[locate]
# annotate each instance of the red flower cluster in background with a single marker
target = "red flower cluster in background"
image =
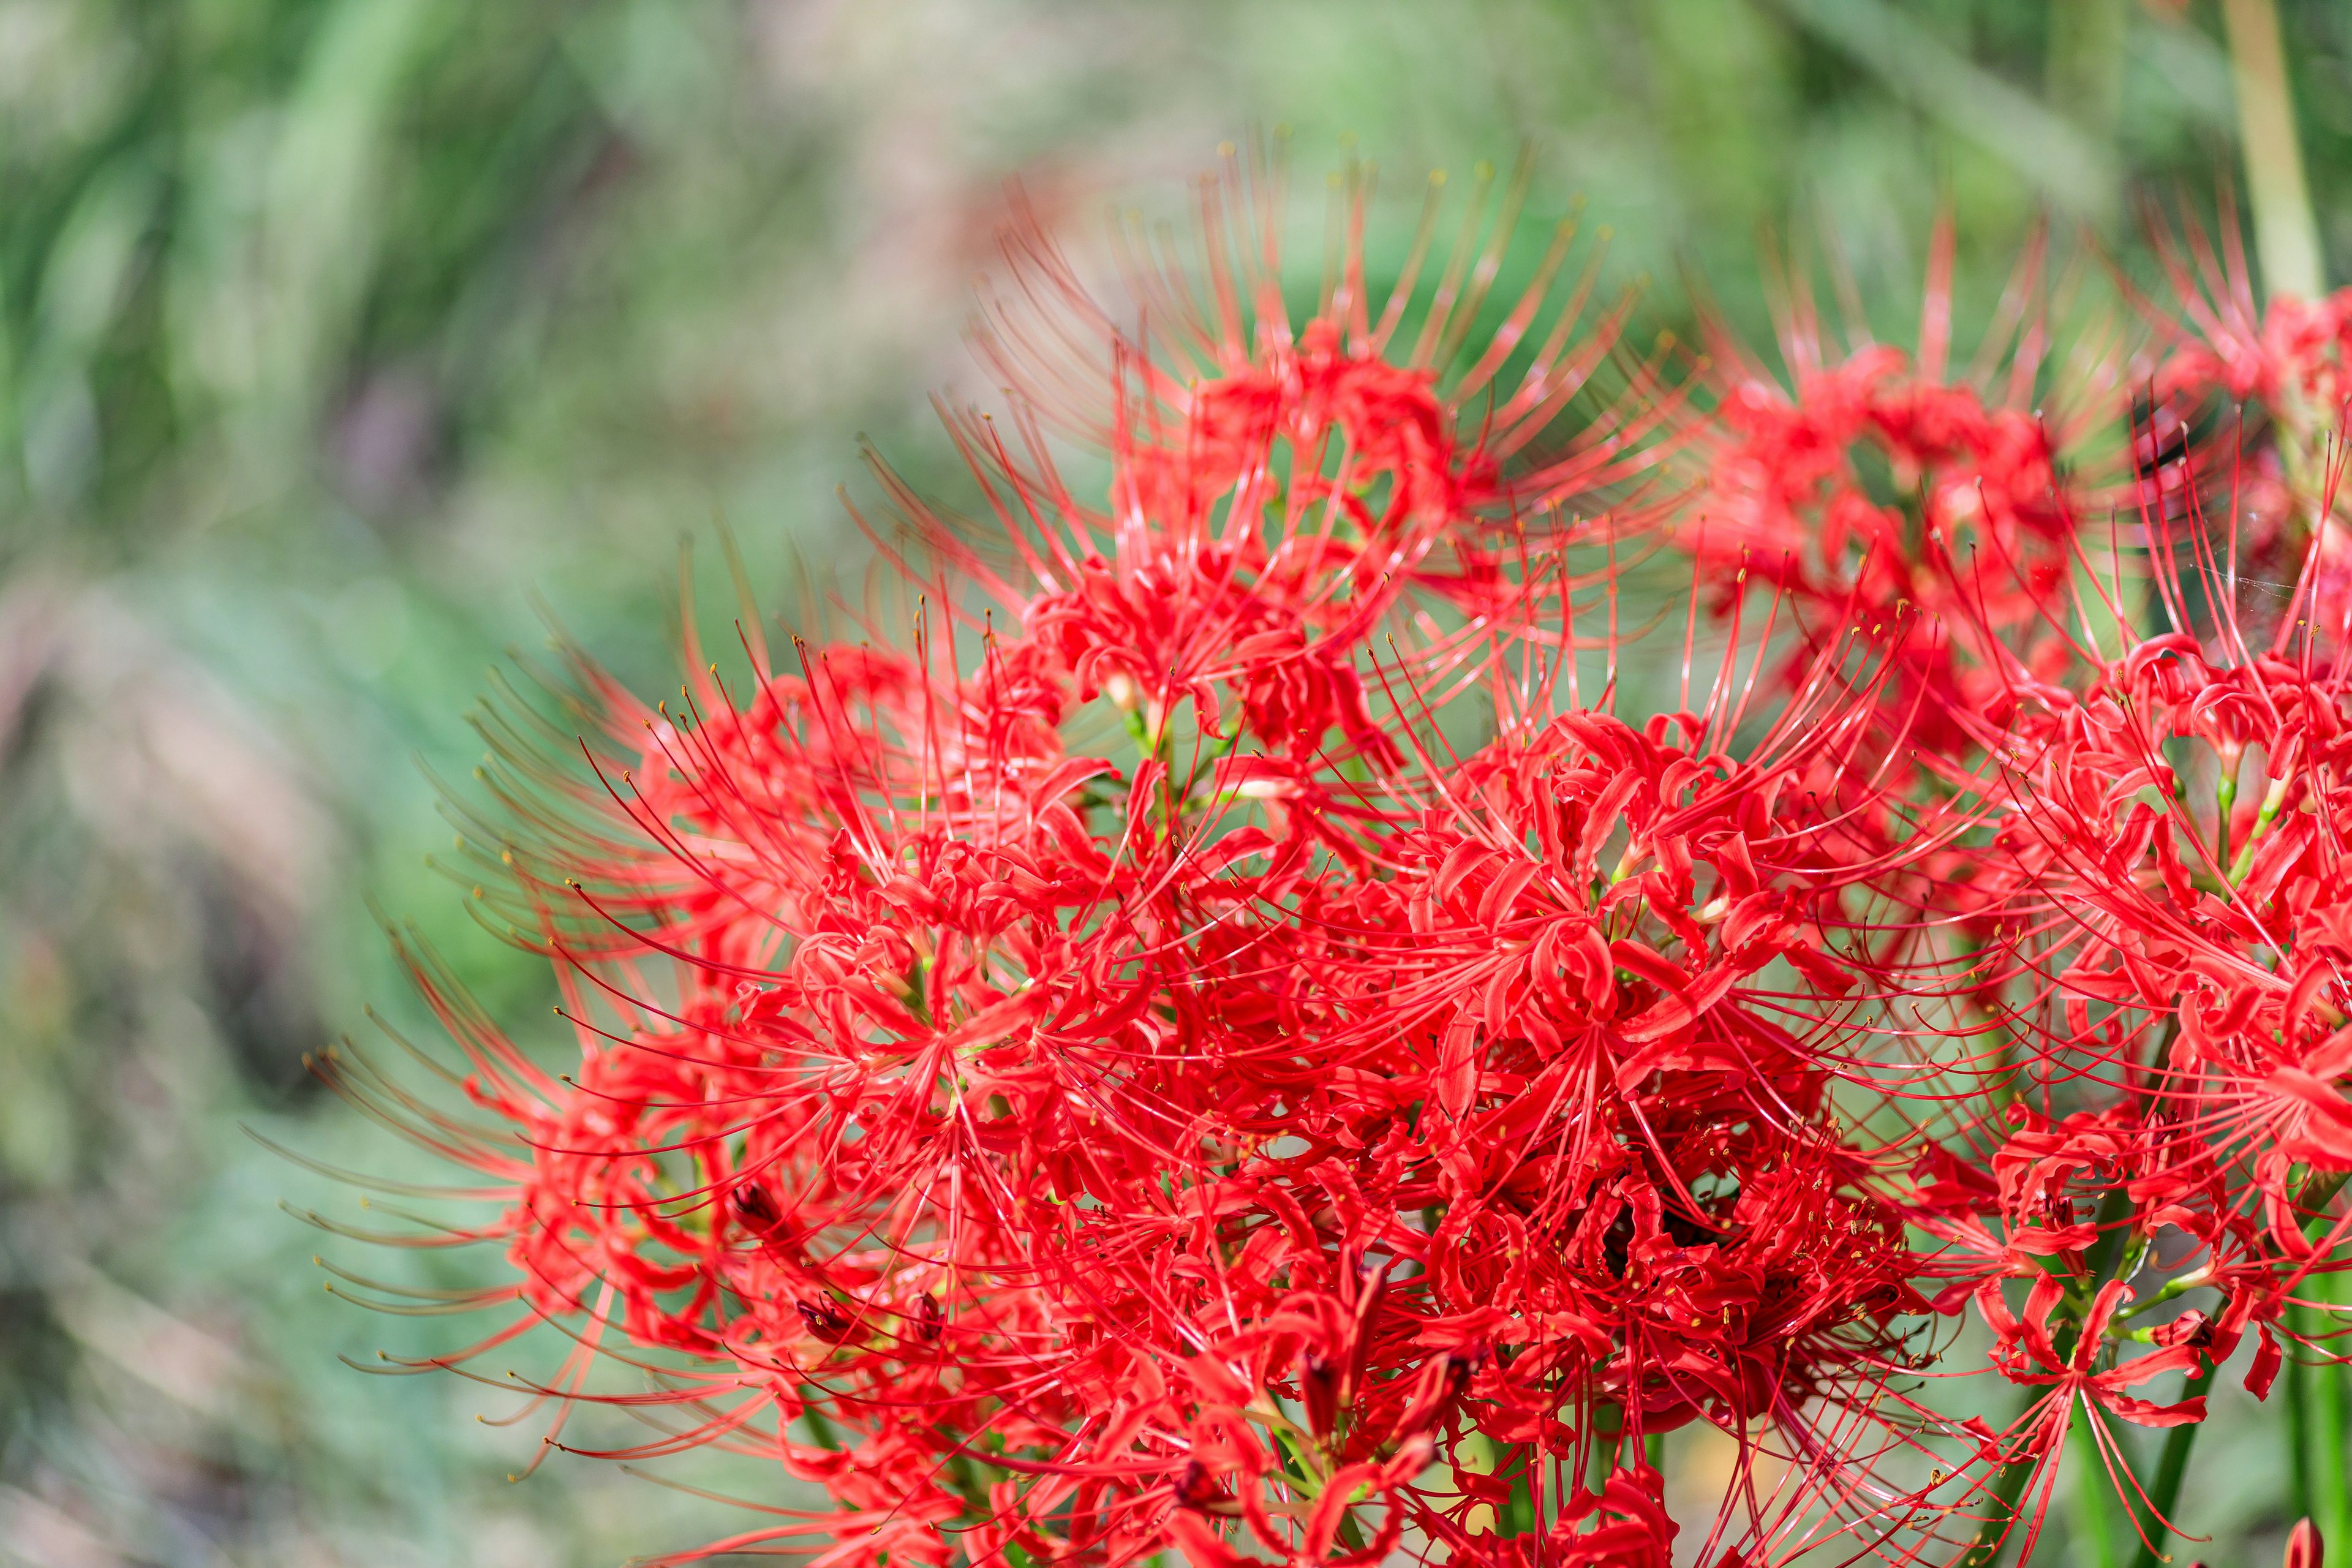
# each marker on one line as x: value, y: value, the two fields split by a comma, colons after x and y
x: 1263, y: 1023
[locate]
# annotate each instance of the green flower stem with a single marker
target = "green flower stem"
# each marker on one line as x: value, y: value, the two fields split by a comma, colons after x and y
x: 2298, y: 1434
x: 2172, y: 1290
x: 2331, y: 1466
x: 2286, y: 235
x: 2315, y: 1412
x: 2171, y: 1469
x: 2225, y: 800
x: 2272, y: 799
x: 1608, y: 1434
x: 2094, y: 1497
x: 2001, y: 1498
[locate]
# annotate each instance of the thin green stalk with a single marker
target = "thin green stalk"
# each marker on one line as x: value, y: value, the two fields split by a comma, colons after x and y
x: 1518, y: 1517
x: 2171, y: 1469
x: 1608, y: 1436
x: 2093, y: 1496
x: 2115, y: 1208
x: 2331, y: 1466
x: 2272, y: 800
x: 2225, y: 800
x: 2286, y: 235
x: 2298, y: 1433
x: 2315, y: 1410
x: 2001, y: 1497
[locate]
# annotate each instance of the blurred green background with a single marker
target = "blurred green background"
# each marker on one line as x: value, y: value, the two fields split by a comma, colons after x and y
x: 333, y: 332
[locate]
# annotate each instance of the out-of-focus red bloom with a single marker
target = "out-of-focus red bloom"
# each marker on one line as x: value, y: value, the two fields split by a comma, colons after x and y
x: 1883, y: 482
x: 2286, y: 354
x: 2270, y: 383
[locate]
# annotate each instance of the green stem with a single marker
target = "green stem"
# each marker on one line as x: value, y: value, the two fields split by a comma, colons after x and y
x: 2171, y: 1469
x: 1518, y: 1516
x: 2094, y: 1492
x: 2002, y: 1495
x: 2286, y: 235
x: 820, y: 1429
x: 2272, y: 800
x: 2298, y: 1433
x: 2225, y: 801
x: 2114, y: 1209
x: 2172, y: 1290
x: 1608, y: 1434
x: 2315, y: 1395
x: 2331, y: 1466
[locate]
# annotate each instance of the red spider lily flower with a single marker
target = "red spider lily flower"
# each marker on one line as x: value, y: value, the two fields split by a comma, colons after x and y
x: 1622, y: 1525
x: 1889, y: 483
x: 2285, y: 354
x: 1284, y: 492
x: 2271, y: 381
x: 2215, y: 924
x: 1238, y: 1042
x: 1644, y: 1209
x: 2027, y: 1353
x: 2160, y: 975
x: 925, y: 1096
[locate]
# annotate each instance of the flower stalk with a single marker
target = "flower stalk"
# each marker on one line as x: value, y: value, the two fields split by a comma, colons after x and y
x: 2286, y: 231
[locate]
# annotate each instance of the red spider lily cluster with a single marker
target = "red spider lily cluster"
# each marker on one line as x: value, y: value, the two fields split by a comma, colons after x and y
x: 1262, y: 1022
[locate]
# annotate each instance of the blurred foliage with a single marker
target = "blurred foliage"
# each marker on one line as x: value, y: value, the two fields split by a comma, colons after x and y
x: 332, y: 329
